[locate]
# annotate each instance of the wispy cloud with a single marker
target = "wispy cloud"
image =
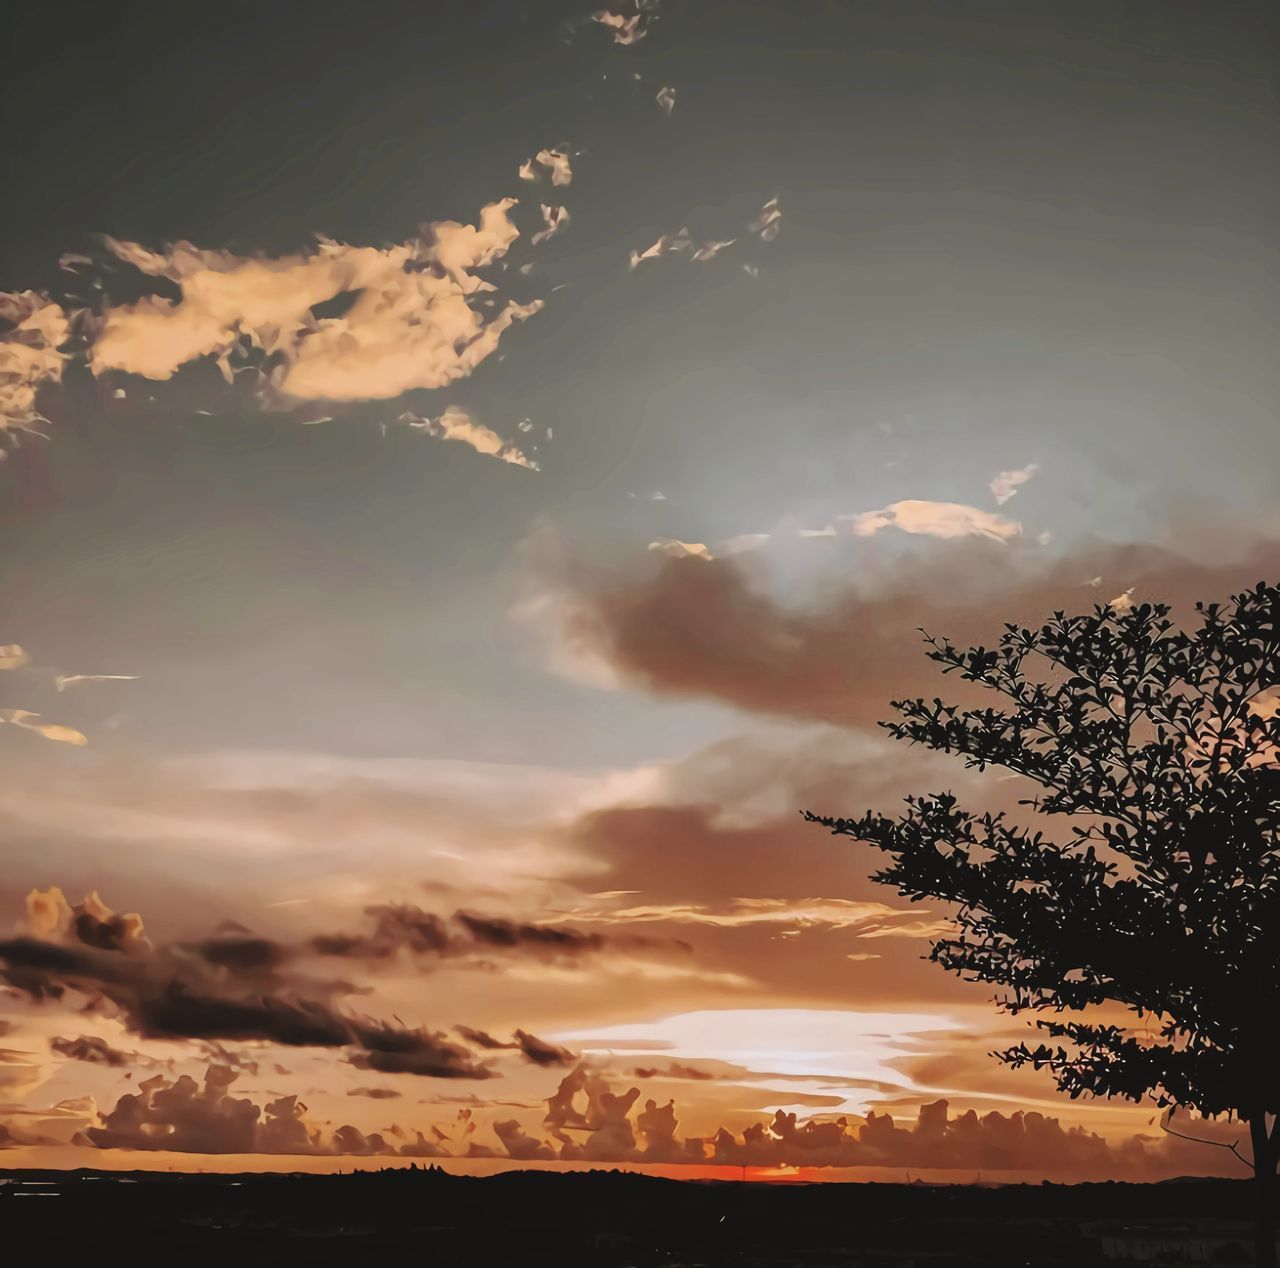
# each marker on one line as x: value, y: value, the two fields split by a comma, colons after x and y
x: 1005, y: 484
x: 456, y: 424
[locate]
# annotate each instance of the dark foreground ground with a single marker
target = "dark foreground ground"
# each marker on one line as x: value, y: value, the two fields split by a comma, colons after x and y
x: 605, y: 1220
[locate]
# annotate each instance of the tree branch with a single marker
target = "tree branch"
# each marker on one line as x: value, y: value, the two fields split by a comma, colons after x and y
x: 1233, y: 1147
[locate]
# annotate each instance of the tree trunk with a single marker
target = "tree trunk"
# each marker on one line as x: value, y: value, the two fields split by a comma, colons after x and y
x: 1264, y: 1191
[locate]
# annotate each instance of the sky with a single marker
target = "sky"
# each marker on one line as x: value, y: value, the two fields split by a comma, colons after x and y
x: 473, y: 472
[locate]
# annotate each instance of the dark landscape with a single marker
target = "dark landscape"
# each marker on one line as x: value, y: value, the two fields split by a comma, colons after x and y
x: 612, y: 1219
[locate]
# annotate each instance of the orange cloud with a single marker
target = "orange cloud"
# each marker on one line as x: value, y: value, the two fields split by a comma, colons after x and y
x: 411, y: 324
x: 30, y: 356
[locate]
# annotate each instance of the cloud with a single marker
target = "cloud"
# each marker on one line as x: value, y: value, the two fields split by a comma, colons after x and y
x: 1005, y: 484
x: 674, y: 548
x: 689, y: 627
x: 626, y: 29
x: 667, y: 244
x: 374, y: 1093
x: 20, y: 1072
x: 768, y: 224
x: 12, y: 656
x: 55, y: 1125
x: 556, y: 163
x: 589, y: 1121
x: 519, y: 1144
x: 457, y: 424
x: 30, y: 356
x: 169, y: 993
x: 501, y: 933
x: 404, y: 928
x: 765, y: 226
x: 183, y: 1116
x: 536, y: 1051
x: 411, y: 324
x: 555, y: 219
x: 29, y: 721
x: 867, y: 919
x: 673, y: 1071
x: 93, y: 1049
x: 62, y: 681
x: 932, y: 519
x: 709, y: 250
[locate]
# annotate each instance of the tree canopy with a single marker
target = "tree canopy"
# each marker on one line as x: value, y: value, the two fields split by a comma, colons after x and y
x: 1159, y: 896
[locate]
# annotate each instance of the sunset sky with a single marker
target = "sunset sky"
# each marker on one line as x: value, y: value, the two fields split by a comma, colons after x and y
x: 475, y: 471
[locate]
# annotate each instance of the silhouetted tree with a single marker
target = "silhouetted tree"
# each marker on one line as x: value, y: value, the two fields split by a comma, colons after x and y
x: 1163, y: 899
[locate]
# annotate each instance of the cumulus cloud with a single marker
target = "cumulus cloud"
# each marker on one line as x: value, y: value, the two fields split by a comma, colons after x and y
x: 30, y: 356
x: 412, y: 323
x: 589, y: 1121
x: 519, y: 1144
x: 183, y: 1116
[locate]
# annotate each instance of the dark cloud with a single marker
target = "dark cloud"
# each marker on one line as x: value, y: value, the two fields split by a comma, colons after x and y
x: 403, y: 927
x: 165, y: 993
x: 242, y: 954
x: 92, y: 1049
x: 696, y: 628
x: 375, y: 1093
x: 542, y: 1053
x: 673, y: 1071
x: 535, y: 1050
x: 392, y: 1050
x: 396, y: 927
x: 497, y: 932
x: 519, y: 1144
x: 482, y: 1038
x: 214, y: 1052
